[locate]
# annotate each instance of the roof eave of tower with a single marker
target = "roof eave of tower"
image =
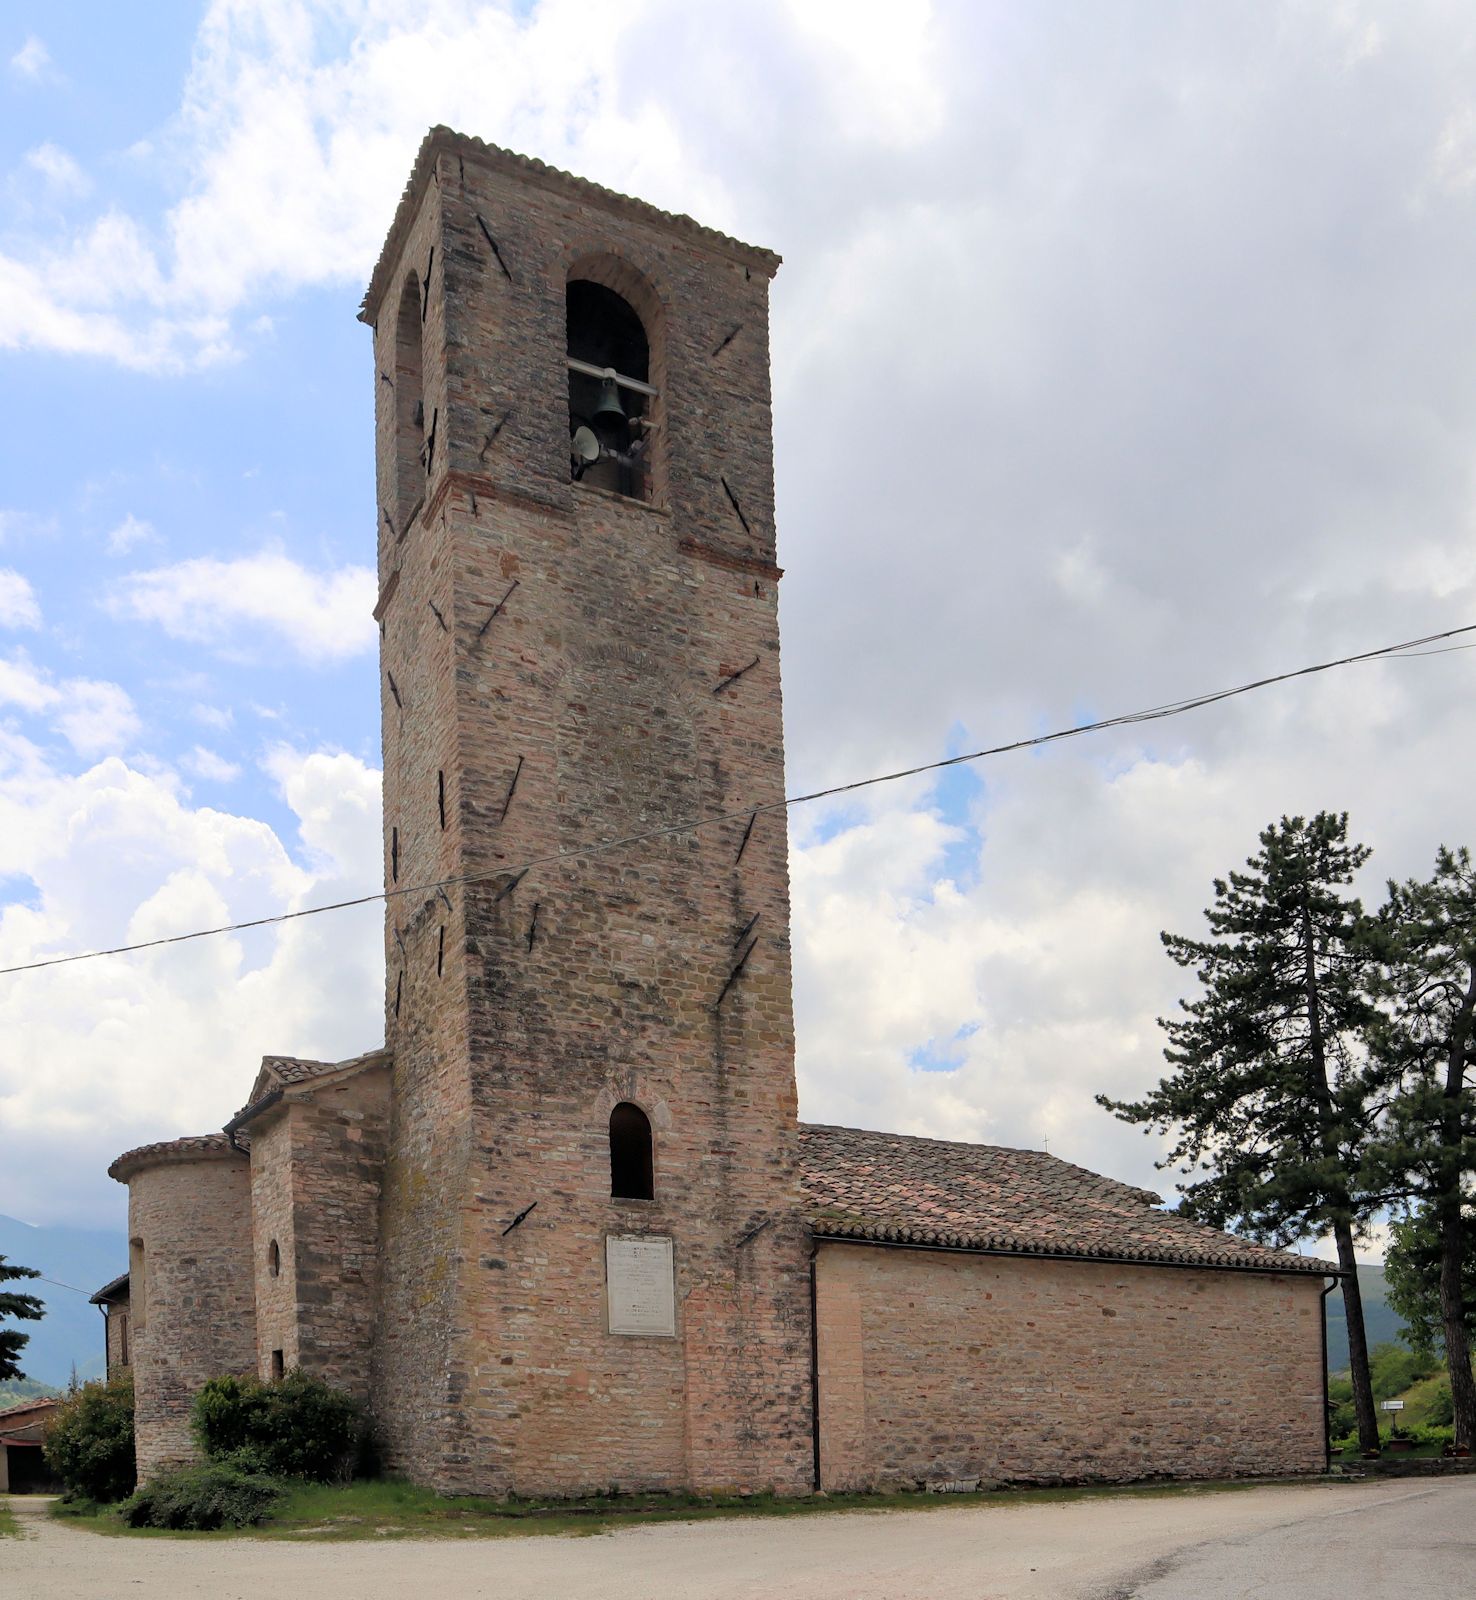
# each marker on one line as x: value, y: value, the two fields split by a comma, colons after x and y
x: 169, y: 1152
x: 442, y: 140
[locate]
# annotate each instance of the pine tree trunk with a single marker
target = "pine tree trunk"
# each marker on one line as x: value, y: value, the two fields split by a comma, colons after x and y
x: 1448, y: 1216
x: 1363, y: 1400
x: 1453, y: 1321
x: 1363, y: 1403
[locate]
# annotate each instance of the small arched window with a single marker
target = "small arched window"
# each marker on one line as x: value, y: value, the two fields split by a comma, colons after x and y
x: 274, y: 1259
x: 631, y: 1172
x: 410, y: 440
x: 610, y: 391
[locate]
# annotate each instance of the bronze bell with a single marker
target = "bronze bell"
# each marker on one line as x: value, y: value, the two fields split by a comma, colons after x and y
x: 609, y: 412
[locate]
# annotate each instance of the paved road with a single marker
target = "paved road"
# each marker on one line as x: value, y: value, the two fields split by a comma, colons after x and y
x: 1416, y: 1539
x: 1368, y: 1541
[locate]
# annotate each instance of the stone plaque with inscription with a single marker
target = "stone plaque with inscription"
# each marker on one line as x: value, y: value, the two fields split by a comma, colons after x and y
x: 639, y: 1284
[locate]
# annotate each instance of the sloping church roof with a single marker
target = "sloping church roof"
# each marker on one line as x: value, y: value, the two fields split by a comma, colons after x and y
x: 892, y: 1188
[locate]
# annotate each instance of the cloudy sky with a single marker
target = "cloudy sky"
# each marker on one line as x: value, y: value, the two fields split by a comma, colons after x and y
x: 1121, y: 352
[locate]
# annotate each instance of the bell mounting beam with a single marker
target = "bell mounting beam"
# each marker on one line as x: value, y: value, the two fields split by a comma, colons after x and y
x: 590, y: 370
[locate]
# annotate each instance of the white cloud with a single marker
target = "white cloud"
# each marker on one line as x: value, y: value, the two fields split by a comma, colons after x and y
x: 59, y: 169
x: 131, y: 532
x: 18, y: 605
x: 206, y: 764
x: 24, y: 686
x: 280, y: 119
x: 320, y: 616
x: 148, y: 1046
x: 217, y: 717
x: 1454, y: 161
x: 17, y: 525
x: 32, y: 59
x: 95, y: 718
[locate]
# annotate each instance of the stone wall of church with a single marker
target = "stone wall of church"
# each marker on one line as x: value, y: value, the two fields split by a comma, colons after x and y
x: 939, y: 1367
x: 273, y: 1246
x: 190, y: 1282
x: 317, y: 1162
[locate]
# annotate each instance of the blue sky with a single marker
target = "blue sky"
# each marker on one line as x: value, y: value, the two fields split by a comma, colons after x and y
x: 1119, y: 353
x: 113, y: 471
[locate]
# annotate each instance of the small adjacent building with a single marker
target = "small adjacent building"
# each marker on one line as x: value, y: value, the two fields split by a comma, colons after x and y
x: 113, y: 1301
x: 23, y: 1468
x: 564, y: 1231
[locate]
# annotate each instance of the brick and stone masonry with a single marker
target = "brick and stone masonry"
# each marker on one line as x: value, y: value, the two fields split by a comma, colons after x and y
x: 317, y: 1159
x: 189, y: 1268
x: 519, y: 1013
x: 941, y: 1367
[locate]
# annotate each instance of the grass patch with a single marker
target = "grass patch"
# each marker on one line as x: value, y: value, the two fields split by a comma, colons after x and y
x: 390, y: 1508
x: 9, y: 1527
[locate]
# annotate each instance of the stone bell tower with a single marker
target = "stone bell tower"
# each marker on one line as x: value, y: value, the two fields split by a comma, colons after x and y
x: 594, y: 1266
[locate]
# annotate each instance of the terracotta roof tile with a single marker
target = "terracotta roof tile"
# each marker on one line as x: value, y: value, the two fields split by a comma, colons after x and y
x: 442, y: 138
x: 293, y: 1069
x: 189, y: 1148
x: 288, y: 1072
x: 894, y: 1188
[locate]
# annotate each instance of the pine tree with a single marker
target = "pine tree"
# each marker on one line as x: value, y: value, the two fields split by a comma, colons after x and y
x: 1412, y: 1273
x: 1270, y: 1084
x: 19, y: 1307
x: 1426, y: 1149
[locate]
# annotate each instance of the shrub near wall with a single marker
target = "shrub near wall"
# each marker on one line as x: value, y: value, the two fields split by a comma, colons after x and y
x: 89, y: 1443
x: 296, y: 1427
x: 203, y: 1498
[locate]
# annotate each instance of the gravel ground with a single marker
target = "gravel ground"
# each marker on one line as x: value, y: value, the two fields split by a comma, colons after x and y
x: 1362, y: 1541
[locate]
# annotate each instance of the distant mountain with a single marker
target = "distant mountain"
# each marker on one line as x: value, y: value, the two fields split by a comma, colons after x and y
x: 71, y: 1332
x: 13, y: 1391
x: 1381, y: 1322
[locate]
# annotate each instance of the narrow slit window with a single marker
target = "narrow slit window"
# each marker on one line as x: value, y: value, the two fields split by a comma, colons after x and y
x: 441, y: 796
x: 409, y: 407
x: 274, y: 1259
x: 138, y: 1282
x: 279, y: 1367
x: 394, y: 855
x: 441, y: 951
x: 632, y: 1175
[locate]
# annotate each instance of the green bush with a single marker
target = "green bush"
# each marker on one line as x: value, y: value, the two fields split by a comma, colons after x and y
x: 1442, y: 1408
x: 89, y: 1444
x: 296, y: 1427
x: 215, y: 1495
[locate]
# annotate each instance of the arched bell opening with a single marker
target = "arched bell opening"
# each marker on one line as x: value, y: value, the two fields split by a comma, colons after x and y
x: 611, y: 396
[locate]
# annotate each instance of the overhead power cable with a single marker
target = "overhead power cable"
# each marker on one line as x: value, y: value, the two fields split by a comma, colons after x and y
x: 1171, y: 708
x: 57, y: 1283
